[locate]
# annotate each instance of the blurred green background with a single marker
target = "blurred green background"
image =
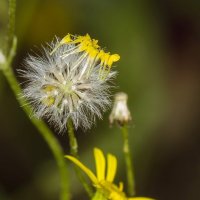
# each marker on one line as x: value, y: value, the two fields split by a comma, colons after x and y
x: 159, y: 44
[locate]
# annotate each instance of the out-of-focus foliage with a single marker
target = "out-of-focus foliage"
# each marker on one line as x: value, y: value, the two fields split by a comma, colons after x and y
x: 159, y: 44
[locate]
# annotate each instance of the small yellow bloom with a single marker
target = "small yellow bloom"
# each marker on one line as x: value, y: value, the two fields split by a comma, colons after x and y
x: 91, y: 53
x: 103, y: 180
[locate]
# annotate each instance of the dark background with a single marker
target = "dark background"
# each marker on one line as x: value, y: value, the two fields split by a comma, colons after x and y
x: 159, y: 44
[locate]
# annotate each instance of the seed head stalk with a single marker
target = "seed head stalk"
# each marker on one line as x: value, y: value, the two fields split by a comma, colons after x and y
x: 40, y: 125
x: 74, y: 152
x: 128, y: 161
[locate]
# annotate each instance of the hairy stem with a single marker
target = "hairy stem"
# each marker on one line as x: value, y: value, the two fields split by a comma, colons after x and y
x: 128, y: 162
x: 74, y: 151
x: 72, y: 139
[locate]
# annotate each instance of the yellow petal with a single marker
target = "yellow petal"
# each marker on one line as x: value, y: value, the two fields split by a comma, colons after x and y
x: 140, y: 198
x: 84, y: 168
x: 121, y: 186
x: 66, y: 39
x: 111, y: 167
x: 100, y: 164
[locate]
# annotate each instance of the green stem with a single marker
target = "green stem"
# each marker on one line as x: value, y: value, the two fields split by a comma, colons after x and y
x: 11, y: 25
x: 72, y: 138
x: 99, y: 196
x: 128, y: 162
x: 74, y: 151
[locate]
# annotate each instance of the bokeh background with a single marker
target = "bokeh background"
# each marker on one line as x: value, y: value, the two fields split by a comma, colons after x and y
x: 159, y: 44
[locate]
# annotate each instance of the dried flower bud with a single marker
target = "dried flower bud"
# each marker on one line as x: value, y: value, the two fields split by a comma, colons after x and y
x: 120, y: 112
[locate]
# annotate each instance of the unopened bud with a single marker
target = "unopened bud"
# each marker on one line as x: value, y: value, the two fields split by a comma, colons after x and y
x: 120, y: 112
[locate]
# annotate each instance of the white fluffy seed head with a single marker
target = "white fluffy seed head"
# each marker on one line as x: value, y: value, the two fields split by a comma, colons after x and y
x: 59, y: 91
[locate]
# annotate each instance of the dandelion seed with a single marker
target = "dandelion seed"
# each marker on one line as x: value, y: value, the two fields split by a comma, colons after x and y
x: 60, y: 87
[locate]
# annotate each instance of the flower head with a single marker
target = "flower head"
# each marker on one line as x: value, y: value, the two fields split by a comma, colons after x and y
x: 90, y: 51
x: 103, y: 180
x: 120, y: 112
x: 65, y: 85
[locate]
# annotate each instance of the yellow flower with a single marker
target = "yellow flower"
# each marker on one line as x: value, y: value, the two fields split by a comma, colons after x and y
x: 103, y: 180
x: 91, y: 53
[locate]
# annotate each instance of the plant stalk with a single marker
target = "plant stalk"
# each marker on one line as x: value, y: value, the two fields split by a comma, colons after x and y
x: 74, y: 152
x: 11, y: 25
x: 128, y: 161
x: 99, y: 196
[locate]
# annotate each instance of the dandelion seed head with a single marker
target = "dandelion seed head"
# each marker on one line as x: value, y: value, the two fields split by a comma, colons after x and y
x: 62, y: 87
